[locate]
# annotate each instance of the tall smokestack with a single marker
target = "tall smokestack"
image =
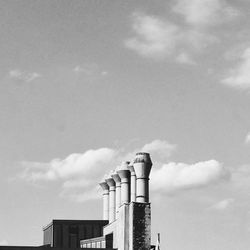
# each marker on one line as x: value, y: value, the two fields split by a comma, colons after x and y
x: 105, y: 196
x: 132, y: 182
x: 124, y: 174
x: 111, y: 183
x: 142, y: 166
x: 117, y: 180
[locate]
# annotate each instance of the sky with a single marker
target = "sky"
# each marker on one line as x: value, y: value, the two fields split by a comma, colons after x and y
x: 84, y: 85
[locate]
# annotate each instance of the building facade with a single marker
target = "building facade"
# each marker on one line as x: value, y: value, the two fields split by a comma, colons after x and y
x: 126, y: 223
x: 68, y: 233
x: 126, y: 206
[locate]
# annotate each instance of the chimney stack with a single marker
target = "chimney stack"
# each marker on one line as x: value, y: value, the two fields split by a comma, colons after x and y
x: 142, y: 166
x: 124, y: 174
x: 132, y: 182
x: 111, y: 183
x: 105, y: 195
x: 117, y: 180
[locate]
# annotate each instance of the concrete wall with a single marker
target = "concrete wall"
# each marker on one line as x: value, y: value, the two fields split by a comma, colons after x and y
x: 120, y: 229
x: 132, y: 229
x: 48, y: 235
x: 111, y: 229
x: 123, y: 228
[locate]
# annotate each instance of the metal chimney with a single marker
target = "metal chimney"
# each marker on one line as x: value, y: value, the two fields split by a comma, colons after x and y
x: 117, y: 180
x: 132, y: 182
x: 105, y: 195
x: 124, y: 174
x: 142, y: 166
x: 111, y: 183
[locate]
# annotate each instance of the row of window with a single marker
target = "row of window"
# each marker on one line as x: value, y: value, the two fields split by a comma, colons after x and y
x: 94, y: 244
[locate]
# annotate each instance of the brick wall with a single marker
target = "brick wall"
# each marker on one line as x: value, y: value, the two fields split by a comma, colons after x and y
x: 141, y: 226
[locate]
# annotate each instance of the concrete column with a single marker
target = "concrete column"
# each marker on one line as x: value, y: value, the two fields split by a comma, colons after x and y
x: 105, y: 195
x: 142, y: 166
x: 117, y: 180
x: 124, y: 174
x: 132, y: 183
x: 112, y: 211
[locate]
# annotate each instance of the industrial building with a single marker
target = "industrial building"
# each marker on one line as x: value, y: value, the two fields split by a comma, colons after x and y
x: 68, y: 233
x: 126, y: 223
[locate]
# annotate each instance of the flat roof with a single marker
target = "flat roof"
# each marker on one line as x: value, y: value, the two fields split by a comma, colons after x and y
x: 47, y: 247
x: 69, y: 222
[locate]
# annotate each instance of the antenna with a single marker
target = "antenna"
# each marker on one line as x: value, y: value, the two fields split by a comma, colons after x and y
x: 158, y: 242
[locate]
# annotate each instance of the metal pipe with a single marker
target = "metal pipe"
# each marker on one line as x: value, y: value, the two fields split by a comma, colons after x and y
x: 124, y: 174
x: 132, y: 183
x: 112, y: 211
x: 105, y: 196
x: 117, y: 180
x: 142, y: 166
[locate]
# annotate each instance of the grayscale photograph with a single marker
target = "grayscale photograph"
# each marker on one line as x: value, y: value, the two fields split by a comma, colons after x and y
x: 125, y: 124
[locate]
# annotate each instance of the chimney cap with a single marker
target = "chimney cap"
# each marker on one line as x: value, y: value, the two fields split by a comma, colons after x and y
x: 104, y: 185
x: 116, y: 177
x: 131, y: 167
x: 109, y: 175
x: 124, y: 166
x: 142, y: 153
x: 113, y: 171
x: 142, y: 157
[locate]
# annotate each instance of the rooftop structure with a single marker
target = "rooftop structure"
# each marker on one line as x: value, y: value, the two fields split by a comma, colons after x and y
x: 126, y: 223
x: 68, y: 233
x: 126, y: 197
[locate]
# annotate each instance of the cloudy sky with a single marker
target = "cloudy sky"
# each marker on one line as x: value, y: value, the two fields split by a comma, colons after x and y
x: 86, y: 84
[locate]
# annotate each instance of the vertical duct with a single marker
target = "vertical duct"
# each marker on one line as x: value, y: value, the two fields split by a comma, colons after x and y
x: 142, y: 166
x: 117, y: 180
x: 132, y: 182
x: 105, y: 195
x: 124, y: 174
x: 112, y: 211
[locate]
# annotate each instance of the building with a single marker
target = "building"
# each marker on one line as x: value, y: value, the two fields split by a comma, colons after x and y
x: 68, y: 233
x: 126, y: 223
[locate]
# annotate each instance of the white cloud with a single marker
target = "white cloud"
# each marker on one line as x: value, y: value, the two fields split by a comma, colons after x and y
x: 159, y: 38
x: 205, y: 12
x: 159, y: 149
x: 81, y: 195
x: 23, y: 75
x: 79, y: 174
x: 247, y: 139
x: 154, y: 37
x: 36, y: 171
x: 89, y: 70
x: 173, y: 176
x: 4, y: 243
x: 87, y: 165
x: 222, y: 205
x: 239, y: 77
